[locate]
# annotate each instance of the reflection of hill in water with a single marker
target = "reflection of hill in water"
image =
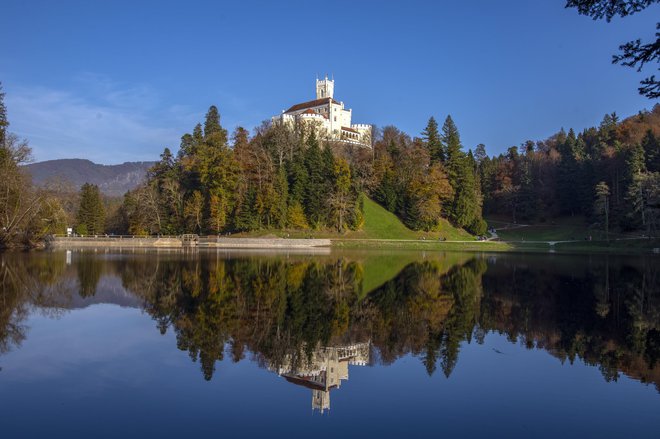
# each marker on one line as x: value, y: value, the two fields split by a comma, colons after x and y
x: 108, y: 290
x: 296, y: 313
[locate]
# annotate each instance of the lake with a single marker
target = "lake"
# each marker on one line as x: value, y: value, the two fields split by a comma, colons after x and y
x: 173, y: 344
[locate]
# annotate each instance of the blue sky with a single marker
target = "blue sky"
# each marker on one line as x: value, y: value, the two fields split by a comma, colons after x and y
x: 117, y: 81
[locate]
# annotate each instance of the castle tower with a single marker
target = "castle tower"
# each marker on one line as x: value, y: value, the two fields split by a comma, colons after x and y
x: 325, y: 88
x: 320, y: 400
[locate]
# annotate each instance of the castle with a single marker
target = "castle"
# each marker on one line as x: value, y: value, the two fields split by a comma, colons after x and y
x: 331, y: 119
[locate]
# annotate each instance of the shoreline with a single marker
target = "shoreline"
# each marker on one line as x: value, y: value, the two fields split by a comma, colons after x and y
x: 187, y: 242
x: 628, y: 246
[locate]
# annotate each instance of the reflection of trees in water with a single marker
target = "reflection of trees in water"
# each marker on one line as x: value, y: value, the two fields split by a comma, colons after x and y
x: 607, y: 312
x: 425, y: 311
x: 89, y: 271
x: 14, y: 307
x: 276, y: 309
x: 281, y: 309
x: 604, y: 311
x: 25, y: 283
x: 267, y: 306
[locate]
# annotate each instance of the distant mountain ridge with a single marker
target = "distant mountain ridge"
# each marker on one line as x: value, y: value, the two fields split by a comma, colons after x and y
x: 112, y: 180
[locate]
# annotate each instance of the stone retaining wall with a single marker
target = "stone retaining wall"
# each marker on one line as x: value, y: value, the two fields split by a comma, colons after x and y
x: 115, y: 242
x: 268, y: 243
x: 261, y: 243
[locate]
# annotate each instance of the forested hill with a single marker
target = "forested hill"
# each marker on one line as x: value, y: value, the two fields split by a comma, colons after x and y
x: 609, y: 174
x: 112, y: 180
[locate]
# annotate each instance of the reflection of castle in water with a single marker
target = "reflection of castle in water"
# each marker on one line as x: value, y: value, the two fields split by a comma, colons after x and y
x: 324, y: 370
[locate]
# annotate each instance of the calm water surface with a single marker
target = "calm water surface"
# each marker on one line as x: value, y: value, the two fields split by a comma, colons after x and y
x: 174, y: 344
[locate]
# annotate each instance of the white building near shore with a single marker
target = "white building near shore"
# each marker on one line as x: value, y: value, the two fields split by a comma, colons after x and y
x: 331, y: 119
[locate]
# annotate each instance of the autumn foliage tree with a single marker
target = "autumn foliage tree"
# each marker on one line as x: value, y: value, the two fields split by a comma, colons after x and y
x: 26, y: 213
x: 556, y: 177
x: 280, y: 178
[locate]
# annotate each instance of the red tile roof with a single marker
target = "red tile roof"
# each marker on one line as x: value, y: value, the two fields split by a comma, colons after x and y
x: 311, y: 104
x: 306, y: 382
x: 350, y: 130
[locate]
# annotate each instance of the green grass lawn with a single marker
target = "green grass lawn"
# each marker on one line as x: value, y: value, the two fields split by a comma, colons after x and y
x: 561, y: 229
x: 379, y: 223
x: 546, y: 232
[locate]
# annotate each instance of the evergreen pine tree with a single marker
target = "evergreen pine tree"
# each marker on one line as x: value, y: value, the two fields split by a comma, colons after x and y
x: 465, y: 210
x: 91, y: 213
x: 635, y: 163
x: 297, y: 177
x: 240, y: 139
x: 279, y: 205
x: 213, y: 131
x: 387, y: 193
x: 245, y: 218
x: 186, y: 146
x: 651, y: 145
x: 454, y: 155
x: 480, y: 154
x: 568, y: 172
x: 316, y: 185
x: 602, y: 205
x: 197, y: 138
x: 432, y: 141
x: 635, y: 167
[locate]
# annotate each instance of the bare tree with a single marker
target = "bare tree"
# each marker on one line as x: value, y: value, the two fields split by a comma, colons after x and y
x: 19, y: 203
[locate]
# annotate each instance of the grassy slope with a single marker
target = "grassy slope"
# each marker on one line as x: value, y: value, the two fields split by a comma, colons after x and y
x: 379, y: 223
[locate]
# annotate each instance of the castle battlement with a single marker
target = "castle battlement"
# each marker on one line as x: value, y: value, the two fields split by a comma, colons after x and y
x: 313, y: 116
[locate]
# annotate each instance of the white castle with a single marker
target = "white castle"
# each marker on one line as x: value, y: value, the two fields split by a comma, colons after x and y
x: 331, y: 119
